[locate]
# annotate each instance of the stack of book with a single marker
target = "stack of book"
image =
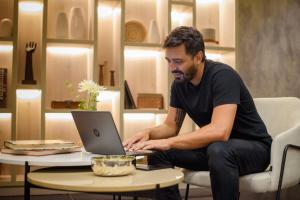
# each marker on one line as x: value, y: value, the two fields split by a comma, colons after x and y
x: 39, y: 147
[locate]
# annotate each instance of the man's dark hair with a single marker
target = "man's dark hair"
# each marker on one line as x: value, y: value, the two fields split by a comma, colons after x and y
x: 190, y: 37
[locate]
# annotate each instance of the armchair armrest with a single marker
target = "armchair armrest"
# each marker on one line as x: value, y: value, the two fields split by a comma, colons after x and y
x: 282, y: 141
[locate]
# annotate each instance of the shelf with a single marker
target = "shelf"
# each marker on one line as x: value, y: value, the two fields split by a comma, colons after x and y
x: 111, y: 88
x: 6, y: 39
x: 28, y: 87
x: 184, y: 3
x: 5, y: 110
x: 138, y: 111
x: 143, y: 45
x: 64, y: 110
x: 69, y: 41
x: 220, y: 48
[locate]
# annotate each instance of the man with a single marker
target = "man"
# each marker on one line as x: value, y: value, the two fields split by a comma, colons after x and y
x: 232, y: 139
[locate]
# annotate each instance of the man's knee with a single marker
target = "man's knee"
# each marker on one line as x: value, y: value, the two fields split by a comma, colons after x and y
x: 219, y: 155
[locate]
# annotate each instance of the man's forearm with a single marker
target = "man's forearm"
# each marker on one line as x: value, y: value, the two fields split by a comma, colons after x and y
x: 198, y: 139
x: 162, y: 131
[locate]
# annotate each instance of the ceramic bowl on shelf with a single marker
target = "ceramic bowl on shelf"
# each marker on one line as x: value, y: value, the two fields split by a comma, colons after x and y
x: 113, y: 165
x: 134, y: 32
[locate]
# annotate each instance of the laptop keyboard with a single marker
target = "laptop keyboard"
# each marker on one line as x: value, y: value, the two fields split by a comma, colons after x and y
x: 139, y: 152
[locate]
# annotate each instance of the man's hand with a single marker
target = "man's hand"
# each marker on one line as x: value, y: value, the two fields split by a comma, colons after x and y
x: 137, y: 138
x: 160, y: 144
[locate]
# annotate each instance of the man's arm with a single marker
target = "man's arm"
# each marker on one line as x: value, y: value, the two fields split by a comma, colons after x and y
x: 171, y: 125
x: 218, y: 130
x: 169, y: 128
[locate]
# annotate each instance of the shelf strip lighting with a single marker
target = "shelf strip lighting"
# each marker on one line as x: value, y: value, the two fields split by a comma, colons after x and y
x: 107, y: 95
x: 178, y: 16
x: 106, y: 11
x: 68, y: 50
x: 31, y: 6
x: 139, y: 116
x: 6, y: 48
x: 28, y: 94
x: 5, y: 115
x: 213, y: 56
x: 141, y: 53
x: 59, y: 116
x: 208, y: 1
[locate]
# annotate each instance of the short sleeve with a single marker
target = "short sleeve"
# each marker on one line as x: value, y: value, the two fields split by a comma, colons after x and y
x: 226, y: 85
x: 174, y: 100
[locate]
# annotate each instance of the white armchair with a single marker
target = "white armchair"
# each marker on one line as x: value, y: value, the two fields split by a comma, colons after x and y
x: 282, y: 118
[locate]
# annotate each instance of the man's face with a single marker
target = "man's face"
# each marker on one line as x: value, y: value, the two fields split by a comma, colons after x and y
x: 182, y: 65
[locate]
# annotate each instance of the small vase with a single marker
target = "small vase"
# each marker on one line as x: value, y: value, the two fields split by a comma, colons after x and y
x: 62, y: 26
x: 93, y: 103
x: 112, y: 77
x: 101, y: 74
x: 6, y: 27
x: 77, y: 24
x: 153, y: 33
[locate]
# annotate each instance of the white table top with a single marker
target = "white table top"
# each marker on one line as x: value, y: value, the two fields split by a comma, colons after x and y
x: 68, y: 159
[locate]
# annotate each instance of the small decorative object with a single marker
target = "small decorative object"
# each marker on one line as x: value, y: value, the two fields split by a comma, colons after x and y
x: 153, y: 33
x: 128, y: 100
x: 69, y: 104
x: 92, y: 90
x: 209, y: 35
x: 6, y: 27
x: 77, y: 24
x: 62, y: 25
x: 30, y: 48
x: 112, y: 77
x: 134, y: 32
x: 101, y: 73
x: 113, y: 165
x: 147, y: 100
x: 3, y: 87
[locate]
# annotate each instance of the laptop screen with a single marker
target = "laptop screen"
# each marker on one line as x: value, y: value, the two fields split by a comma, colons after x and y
x: 98, y: 132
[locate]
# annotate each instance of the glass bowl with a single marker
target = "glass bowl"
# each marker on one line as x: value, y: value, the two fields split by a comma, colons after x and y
x: 113, y: 165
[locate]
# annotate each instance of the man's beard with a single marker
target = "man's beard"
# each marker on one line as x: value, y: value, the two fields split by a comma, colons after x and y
x: 185, y: 77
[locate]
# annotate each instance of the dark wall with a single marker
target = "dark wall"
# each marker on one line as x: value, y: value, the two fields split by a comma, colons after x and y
x: 268, y: 46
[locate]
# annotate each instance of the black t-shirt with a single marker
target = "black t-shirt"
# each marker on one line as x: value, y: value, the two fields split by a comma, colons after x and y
x: 220, y: 84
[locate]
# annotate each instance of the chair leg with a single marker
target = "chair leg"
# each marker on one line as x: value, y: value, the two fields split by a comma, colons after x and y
x: 286, y: 148
x: 187, y: 191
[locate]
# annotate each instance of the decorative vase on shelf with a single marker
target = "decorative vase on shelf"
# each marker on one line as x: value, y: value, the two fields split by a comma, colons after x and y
x: 77, y: 24
x: 153, y: 33
x: 6, y: 27
x: 101, y: 74
x: 62, y: 26
x: 112, y: 77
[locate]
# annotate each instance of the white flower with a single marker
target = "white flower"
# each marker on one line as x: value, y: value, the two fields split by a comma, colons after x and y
x: 90, y: 87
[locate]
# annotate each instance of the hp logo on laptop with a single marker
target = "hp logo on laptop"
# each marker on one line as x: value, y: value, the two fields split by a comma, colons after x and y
x: 96, y: 132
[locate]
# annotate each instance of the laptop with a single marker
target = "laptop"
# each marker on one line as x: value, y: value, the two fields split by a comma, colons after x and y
x: 99, y: 134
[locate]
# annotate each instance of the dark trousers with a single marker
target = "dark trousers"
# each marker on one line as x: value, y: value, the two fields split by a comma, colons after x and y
x: 226, y: 161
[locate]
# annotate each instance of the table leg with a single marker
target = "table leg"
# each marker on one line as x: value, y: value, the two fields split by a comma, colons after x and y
x: 156, y: 192
x: 26, y: 183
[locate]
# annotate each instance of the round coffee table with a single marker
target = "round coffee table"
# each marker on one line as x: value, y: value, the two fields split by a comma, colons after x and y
x: 82, y: 179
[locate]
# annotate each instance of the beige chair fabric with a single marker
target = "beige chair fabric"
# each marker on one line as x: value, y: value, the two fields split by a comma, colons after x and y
x: 282, y: 118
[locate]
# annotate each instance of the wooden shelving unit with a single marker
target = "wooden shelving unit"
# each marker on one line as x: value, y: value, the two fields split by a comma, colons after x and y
x: 141, y: 63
